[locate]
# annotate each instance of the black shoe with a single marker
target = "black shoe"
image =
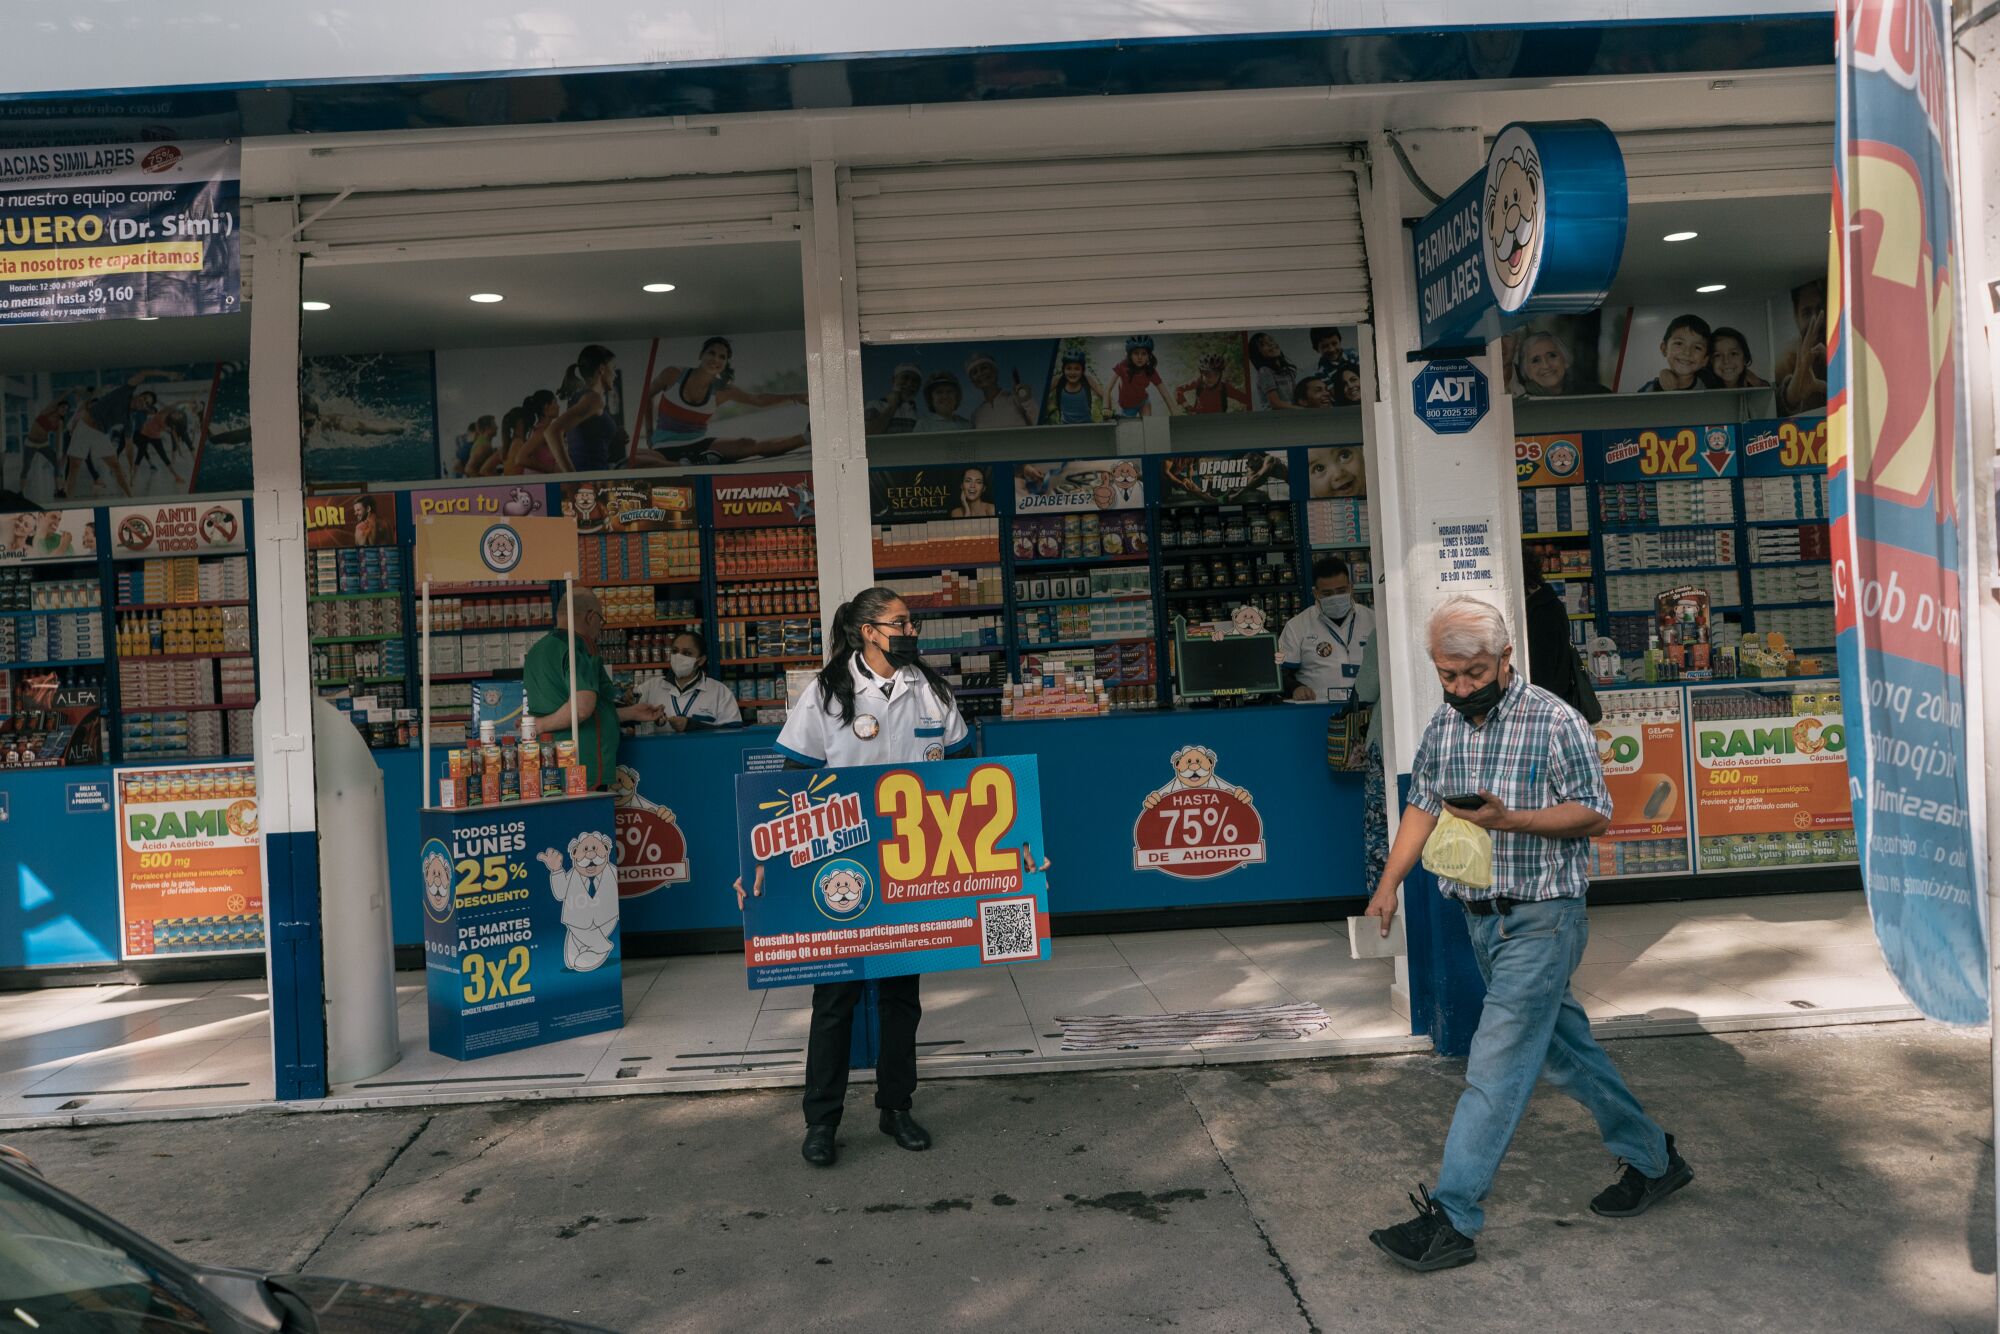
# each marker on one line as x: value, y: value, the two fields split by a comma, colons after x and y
x: 1426, y: 1242
x: 818, y: 1148
x: 908, y: 1134
x: 1634, y: 1193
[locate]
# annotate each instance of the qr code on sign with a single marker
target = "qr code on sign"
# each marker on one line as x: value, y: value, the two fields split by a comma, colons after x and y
x: 1007, y: 930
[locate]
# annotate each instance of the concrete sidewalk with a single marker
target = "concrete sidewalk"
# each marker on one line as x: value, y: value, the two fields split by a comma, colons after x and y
x: 1844, y: 1181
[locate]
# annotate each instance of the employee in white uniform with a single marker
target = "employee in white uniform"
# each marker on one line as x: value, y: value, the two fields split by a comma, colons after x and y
x: 690, y: 700
x: 875, y: 702
x: 1320, y: 649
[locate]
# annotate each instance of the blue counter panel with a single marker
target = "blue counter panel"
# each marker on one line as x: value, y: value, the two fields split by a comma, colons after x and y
x: 58, y: 871
x: 1098, y: 773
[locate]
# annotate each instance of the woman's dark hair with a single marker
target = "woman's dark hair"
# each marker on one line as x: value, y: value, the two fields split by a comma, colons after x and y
x: 535, y: 404
x: 1531, y: 567
x: 1280, y: 363
x: 700, y: 639
x: 836, y: 679
x: 593, y: 359
x: 729, y: 372
x: 507, y: 425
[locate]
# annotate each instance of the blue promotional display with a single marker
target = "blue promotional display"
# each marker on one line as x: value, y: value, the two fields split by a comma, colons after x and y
x: 1787, y: 447
x: 887, y: 870
x: 1451, y: 396
x: 1540, y: 231
x: 1664, y: 454
x: 521, y: 938
x: 119, y: 231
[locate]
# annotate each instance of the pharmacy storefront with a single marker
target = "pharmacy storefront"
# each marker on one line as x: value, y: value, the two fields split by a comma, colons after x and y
x: 1153, y: 413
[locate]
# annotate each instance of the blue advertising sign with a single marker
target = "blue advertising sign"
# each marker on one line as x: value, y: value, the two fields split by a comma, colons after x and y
x: 1784, y: 447
x: 885, y: 870
x: 1451, y: 396
x: 1901, y: 495
x: 1663, y: 454
x: 1540, y: 231
x: 119, y: 230
x: 82, y: 798
x: 520, y: 924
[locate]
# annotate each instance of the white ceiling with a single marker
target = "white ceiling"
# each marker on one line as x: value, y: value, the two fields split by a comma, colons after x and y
x: 411, y: 306
x: 1756, y: 246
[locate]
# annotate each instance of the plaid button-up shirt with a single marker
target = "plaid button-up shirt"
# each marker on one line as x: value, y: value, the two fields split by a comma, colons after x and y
x: 1532, y: 751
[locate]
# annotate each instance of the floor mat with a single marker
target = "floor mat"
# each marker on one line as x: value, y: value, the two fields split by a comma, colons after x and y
x: 1101, y: 1032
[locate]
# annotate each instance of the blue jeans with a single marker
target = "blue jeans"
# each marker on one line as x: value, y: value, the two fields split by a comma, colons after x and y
x: 1533, y: 1026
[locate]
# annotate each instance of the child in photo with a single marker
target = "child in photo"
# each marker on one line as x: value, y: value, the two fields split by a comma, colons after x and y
x: 1333, y: 354
x: 1685, y: 351
x: 1276, y: 378
x: 1136, y: 382
x: 1729, y: 361
x: 1074, y: 397
x: 1208, y: 391
x: 1312, y: 392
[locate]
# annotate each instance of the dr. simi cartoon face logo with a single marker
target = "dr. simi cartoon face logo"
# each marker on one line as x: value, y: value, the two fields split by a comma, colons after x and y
x: 843, y: 890
x: 1513, y: 217
x: 437, y: 880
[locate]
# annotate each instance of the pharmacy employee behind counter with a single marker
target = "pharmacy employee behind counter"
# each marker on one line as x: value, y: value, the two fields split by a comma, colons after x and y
x: 1320, y: 649
x: 875, y: 702
x: 545, y: 674
x: 689, y: 699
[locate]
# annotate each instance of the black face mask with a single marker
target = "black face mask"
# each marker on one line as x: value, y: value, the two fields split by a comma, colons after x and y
x: 1479, y: 702
x: 901, y: 650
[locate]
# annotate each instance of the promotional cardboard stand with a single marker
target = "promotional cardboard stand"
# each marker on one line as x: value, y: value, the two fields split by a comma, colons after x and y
x: 521, y: 941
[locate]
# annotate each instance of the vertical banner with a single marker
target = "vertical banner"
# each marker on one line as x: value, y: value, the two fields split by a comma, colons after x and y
x: 892, y: 869
x: 1899, y: 477
x: 521, y: 941
x: 189, y: 879
x: 120, y: 230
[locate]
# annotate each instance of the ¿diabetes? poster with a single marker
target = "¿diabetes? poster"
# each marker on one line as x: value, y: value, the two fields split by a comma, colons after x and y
x: 189, y: 876
x: 115, y: 231
x: 891, y: 869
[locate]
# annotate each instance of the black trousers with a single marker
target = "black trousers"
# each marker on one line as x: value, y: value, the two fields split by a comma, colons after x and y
x: 832, y: 1030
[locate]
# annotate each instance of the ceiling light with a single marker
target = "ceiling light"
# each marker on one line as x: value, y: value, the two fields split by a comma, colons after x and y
x: 145, y: 319
x: 314, y: 305
x: 1680, y: 236
x: 487, y: 298
x: 1706, y: 288
x: 659, y: 287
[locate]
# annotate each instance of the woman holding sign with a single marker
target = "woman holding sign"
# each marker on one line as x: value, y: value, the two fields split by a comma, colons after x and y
x: 875, y: 702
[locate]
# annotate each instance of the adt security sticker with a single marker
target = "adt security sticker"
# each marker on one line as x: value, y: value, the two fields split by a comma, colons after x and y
x: 1450, y: 396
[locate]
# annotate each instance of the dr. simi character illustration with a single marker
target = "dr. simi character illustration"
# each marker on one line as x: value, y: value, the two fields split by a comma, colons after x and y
x: 1194, y: 771
x: 437, y: 883
x: 1513, y: 211
x: 588, y: 892
x: 625, y: 794
x: 843, y: 892
x: 1247, y: 620
x: 1125, y: 482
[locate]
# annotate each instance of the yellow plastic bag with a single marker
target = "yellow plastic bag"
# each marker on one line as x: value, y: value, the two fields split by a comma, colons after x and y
x: 1459, y: 850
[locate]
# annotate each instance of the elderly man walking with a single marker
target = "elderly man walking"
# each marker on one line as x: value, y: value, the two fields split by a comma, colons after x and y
x: 1519, y: 763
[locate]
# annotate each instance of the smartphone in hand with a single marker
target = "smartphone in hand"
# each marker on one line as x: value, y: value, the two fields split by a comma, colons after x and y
x: 1465, y: 801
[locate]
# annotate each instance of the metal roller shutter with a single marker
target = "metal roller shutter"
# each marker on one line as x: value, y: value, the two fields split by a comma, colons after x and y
x: 508, y: 220
x: 1738, y: 162
x: 1107, y: 246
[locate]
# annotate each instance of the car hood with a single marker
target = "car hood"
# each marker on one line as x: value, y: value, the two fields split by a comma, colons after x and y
x: 343, y: 1306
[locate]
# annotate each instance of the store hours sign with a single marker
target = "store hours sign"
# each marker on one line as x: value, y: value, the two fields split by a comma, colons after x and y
x: 118, y: 231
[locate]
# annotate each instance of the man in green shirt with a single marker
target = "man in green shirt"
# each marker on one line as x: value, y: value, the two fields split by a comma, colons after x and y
x: 546, y: 675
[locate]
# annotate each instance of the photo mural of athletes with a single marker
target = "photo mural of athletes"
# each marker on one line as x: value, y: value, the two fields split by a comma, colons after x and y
x: 707, y: 402
x: 129, y: 431
x: 984, y: 386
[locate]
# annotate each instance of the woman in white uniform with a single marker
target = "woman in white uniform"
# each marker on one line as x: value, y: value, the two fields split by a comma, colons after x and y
x: 875, y: 702
x: 690, y: 700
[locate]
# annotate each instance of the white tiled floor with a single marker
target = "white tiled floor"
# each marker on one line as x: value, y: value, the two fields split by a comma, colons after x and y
x: 690, y: 1023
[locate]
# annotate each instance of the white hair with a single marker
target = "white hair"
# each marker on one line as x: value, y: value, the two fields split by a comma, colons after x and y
x: 578, y: 840
x: 1462, y: 626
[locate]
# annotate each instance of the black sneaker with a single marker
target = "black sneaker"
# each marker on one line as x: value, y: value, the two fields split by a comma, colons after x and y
x: 1634, y: 1192
x: 1426, y: 1242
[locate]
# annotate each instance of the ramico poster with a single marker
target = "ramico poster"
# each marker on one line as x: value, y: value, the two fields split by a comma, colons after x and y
x: 190, y: 877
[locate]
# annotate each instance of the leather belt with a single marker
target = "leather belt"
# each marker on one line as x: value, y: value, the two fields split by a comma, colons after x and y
x: 1488, y: 907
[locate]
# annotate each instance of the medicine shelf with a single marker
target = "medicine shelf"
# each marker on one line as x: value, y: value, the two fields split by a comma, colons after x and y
x: 764, y: 616
x: 1023, y: 650
x: 772, y: 662
x: 471, y: 630
x: 186, y: 708
x: 1085, y: 602
x: 356, y: 639
x: 633, y: 583
x: 1224, y: 590
x: 182, y: 657
x: 723, y: 576
x: 939, y: 567
x: 1567, y: 532
x: 52, y: 662
x: 52, y: 611
x: 979, y: 609
x: 329, y: 597
x: 360, y: 681
x: 1670, y: 569
x: 1047, y: 562
x: 173, y: 606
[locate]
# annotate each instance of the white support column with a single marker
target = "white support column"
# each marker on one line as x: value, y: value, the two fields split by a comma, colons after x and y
x: 1416, y: 477
x: 833, y: 381
x: 286, y: 802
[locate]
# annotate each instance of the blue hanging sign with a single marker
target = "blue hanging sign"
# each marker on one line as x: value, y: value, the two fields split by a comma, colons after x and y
x: 1451, y: 396
x: 1539, y: 231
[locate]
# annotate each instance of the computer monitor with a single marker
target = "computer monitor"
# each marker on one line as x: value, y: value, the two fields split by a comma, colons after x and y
x: 1207, y: 668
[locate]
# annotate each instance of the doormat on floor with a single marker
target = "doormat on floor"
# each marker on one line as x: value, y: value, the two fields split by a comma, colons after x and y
x: 1105, y: 1032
